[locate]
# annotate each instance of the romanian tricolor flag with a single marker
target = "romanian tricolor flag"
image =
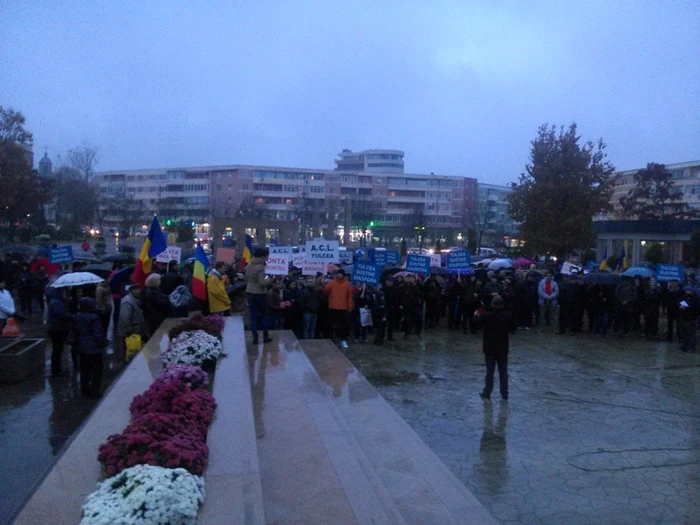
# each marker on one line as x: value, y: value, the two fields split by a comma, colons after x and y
x: 248, y: 250
x: 153, y: 245
x: 623, y: 259
x: 604, y: 262
x: 199, y: 274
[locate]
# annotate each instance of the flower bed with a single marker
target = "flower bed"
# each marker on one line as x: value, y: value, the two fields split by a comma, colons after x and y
x: 146, y: 495
x: 165, y: 440
x: 157, y: 461
x: 192, y: 348
x: 211, y: 324
x: 176, y: 397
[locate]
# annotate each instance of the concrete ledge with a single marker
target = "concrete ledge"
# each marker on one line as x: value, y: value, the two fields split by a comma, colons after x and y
x: 232, y: 480
x: 19, y: 357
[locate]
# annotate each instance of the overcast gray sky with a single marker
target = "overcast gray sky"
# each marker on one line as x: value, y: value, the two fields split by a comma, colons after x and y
x: 460, y: 86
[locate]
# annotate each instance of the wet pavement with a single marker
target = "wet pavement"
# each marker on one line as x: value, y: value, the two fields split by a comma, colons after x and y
x: 595, y: 431
x: 38, y: 417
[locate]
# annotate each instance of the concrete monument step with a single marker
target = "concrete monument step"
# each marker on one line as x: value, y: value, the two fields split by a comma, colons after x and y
x: 331, y: 450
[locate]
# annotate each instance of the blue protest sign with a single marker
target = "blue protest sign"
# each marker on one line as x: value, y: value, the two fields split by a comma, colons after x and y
x: 392, y: 258
x: 62, y: 254
x: 418, y: 263
x: 670, y: 272
x: 365, y: 273
x: 458, y: 260
x: 378, y: 258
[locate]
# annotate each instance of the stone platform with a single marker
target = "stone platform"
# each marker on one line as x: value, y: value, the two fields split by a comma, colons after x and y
x: 331, y: 450
x: 299, y: 437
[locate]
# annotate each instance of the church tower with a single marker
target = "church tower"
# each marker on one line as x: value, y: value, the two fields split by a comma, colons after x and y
x: 45, y: 167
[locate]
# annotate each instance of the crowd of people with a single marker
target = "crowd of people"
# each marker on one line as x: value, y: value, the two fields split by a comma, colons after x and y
x: 335, y: 307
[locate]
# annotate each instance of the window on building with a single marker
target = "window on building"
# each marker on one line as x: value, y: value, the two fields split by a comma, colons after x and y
x: 245, y: 186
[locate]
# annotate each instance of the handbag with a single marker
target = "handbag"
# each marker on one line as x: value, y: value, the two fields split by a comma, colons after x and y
x: 365, y: 317
x: 133, y: 346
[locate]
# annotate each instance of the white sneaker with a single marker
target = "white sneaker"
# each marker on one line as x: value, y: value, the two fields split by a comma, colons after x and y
x: 344, y: 344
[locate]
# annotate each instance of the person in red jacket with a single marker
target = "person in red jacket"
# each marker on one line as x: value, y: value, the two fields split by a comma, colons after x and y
x: 339, y: 304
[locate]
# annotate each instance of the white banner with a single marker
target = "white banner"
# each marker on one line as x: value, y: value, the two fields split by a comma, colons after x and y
x: 313, y: 267
x: 435, y: 260
x: 281, y: 249
x: 171, y: 253
x: 277, y: 264
x: 567, y: 268
x: 326, y: 251
x: 345, y: 257
x: 298, y: 259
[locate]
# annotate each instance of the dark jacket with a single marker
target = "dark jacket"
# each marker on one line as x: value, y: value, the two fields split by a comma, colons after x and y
x: 626, y: 294
x: 692, y: 312
x: 156, y: 308
x: 310, y: 299
x: 60, y: 319
x: 496, y: 324
x: 274, y: 301
x: 408, y: 295
x: 170, y: 281
x: 89, y: 334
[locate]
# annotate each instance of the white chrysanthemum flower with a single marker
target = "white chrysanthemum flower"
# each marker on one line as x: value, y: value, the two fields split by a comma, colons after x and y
x: 192, y: 348
x: 146, y: 495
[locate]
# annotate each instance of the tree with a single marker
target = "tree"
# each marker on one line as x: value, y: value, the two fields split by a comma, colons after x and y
x: 127, y: 210
x: 564, y: 186
x: 83, y: 159
x: 482, y: 218
x: 364, y: 215
x: 694, y: 249
x: 22, y: 191
x: 654, y: 196
x: 655, y: 254
x: 76, y: 200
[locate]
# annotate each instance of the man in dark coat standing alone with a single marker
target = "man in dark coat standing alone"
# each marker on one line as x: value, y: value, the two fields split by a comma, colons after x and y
x: 496, y: 324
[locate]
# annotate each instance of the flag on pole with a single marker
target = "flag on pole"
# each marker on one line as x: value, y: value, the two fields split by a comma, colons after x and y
x: 154, y: 244
x: 199, y: 274
x: 623, y: 259
x: 604, y: 262
x: 248, y: 250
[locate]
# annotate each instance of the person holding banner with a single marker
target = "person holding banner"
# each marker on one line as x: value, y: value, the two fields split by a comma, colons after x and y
x: 256, y: 290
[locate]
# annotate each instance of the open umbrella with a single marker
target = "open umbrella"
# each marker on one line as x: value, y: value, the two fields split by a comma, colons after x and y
x: 359, y: 253
x: 117, y: 280
x: 438, y: 270
x: 522, y: 262
x: 461, y: 271
x: 118, y: 257
x: 602, y: 278
x: 76, y: 279
x: 640, y: 271
x: 500, y: 263
x: 19, y: 249
x: 404, y: 274
x: 103, y: 270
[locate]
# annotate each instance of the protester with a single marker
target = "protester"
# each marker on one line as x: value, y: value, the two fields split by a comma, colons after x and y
x: 671, y: 299
x: 548, y: 291
x: 469, y: 302
x: 171, y: 279
x: 651, y: 304
x: 60, y: 323
x: 293, y: 312
x: 362, y: 299
x: 689, y: 311
x: 90, y: 341
x: 432, y: 292
x: 309, y: 303
x: 131, y: 320
x: 39, y: 283
x: 275, y: 310
x: 156, y: 305
x: 26, y: 291
x: 105, y: 303
x: 219, y: 301
x: 379, y: 317
x: 496, y: 324
x: 626, y: 297
x: 410, y: 306
x: 256, y: 290
x: 339, y: 304
x: 393, y: 314
x: 7, y: 304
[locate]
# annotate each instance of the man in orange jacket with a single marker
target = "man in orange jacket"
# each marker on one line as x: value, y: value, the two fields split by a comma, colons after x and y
x: 339, y: 304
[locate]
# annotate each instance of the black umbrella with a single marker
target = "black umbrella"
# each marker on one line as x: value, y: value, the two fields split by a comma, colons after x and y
x: 119, y: 257
x: 602, y: 278
x: 102, y: 270
x: 117, y: 280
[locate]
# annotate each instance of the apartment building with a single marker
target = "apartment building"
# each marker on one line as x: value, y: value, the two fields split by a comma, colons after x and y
x: 371, y: 161
x: 686, y: 178
x: 292, y: 204
x: 491, y: 215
